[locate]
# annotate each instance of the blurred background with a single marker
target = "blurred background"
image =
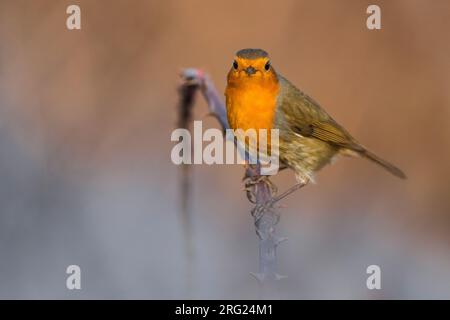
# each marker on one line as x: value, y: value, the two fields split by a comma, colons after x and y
x: 85, y: 169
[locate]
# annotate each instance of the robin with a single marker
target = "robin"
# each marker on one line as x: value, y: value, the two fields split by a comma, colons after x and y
x: 257, y: 97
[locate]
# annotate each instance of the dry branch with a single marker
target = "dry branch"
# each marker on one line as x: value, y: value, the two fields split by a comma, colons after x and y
x: 260, y: 190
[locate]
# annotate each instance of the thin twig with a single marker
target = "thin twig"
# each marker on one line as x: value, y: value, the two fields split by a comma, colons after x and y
x: 260, y: 190
x: 187, y: 92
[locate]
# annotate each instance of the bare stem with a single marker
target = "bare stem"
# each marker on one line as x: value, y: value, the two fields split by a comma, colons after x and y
x: 260, y: 190
x: 187, y: 92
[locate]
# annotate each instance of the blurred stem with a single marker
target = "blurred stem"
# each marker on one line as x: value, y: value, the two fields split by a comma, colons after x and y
x: 187, y: 94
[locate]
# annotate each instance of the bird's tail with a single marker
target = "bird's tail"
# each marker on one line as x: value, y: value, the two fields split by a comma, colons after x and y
x: 383, y: 163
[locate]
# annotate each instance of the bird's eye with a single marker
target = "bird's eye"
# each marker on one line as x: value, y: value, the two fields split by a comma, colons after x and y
x: 235, y: 65
x: 267, y: 66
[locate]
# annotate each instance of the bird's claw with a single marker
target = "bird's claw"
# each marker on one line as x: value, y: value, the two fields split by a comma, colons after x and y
x: 251, y: 183
x: 260, y: 209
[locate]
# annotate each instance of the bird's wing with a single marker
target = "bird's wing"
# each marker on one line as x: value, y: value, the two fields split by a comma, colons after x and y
x: 305, y: 117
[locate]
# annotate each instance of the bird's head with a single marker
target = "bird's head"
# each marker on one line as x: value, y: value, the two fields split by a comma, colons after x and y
x: 251, y: 65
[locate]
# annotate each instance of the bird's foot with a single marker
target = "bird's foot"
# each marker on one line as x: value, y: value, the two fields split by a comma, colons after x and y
x: 251, y: 183
x: 261, y: 209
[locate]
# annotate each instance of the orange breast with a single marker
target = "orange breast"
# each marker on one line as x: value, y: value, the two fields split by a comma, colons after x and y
x: 251, y: 105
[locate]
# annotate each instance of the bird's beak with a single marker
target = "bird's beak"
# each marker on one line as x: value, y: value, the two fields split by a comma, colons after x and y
x: 250, y: 71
